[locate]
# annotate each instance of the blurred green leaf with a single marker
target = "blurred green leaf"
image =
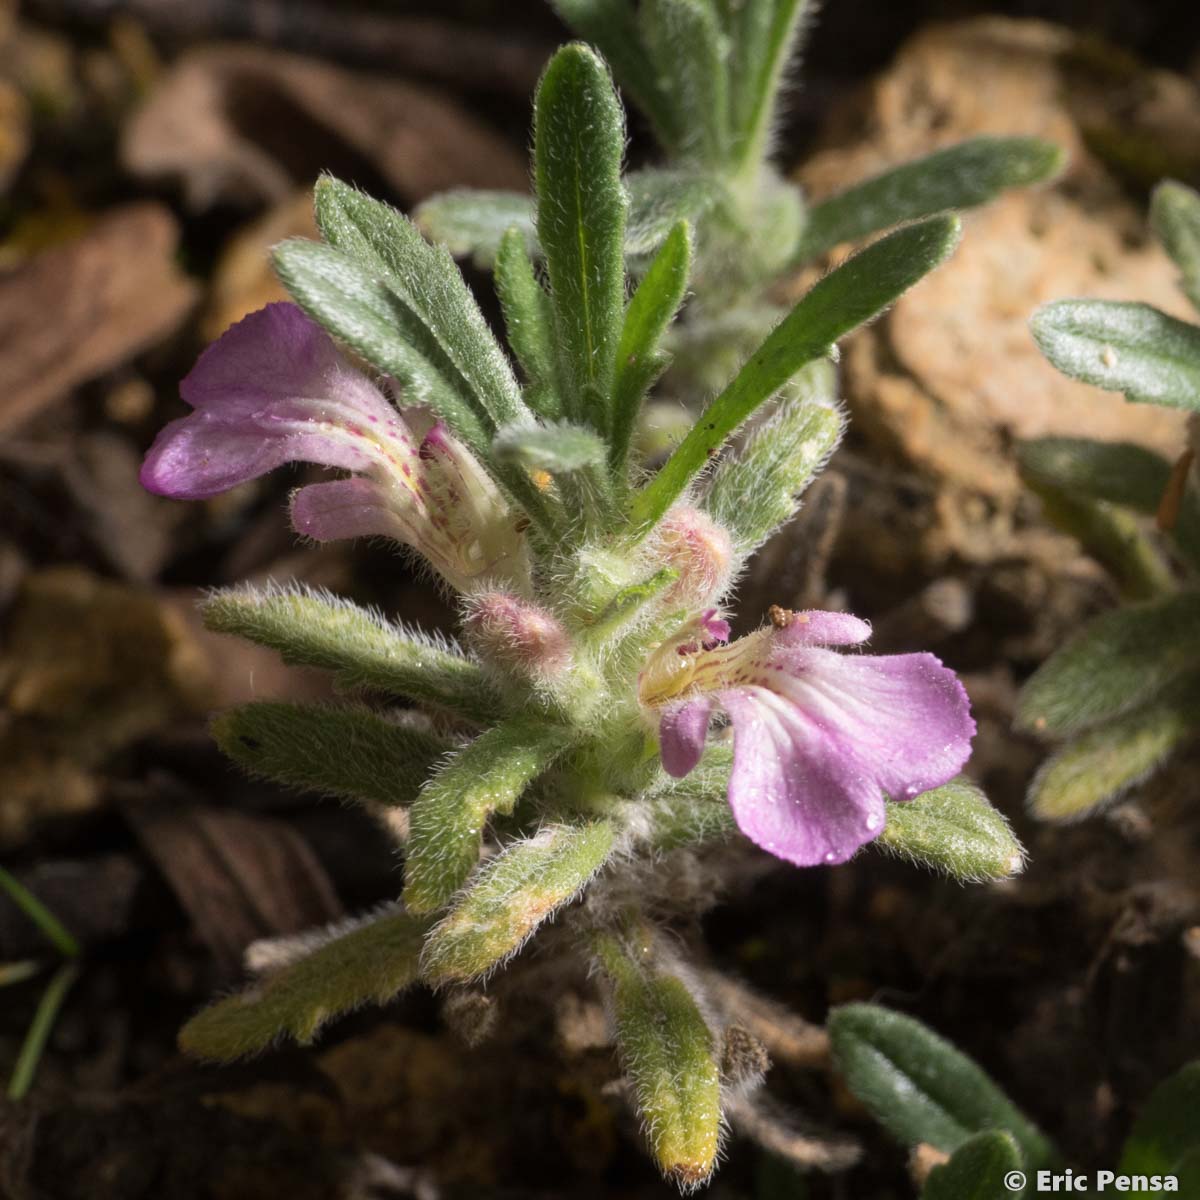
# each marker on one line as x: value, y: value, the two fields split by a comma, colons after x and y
x: 857, y: 291
x: 921, y: 1088
x: 976, y: 1170
x: 762, y: 36
x: 1117, y: 663
x: 1121, y: 473
x: 953, y: 829
x: 471, y: 223
x: 659, y: 199
x: 684, y: 40
x: 1130, y: 348
x: 962, y: 176
x: 1167, y: 1128
x: 1102, y: 764
x: 612, y: 26
x: 1175, y: 216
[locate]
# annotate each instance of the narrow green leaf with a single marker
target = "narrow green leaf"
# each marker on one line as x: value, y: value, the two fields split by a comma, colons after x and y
x: 666, y: 1048
x: 659, y: 199
x: 857, y: 291
x: 763, y: 36
x: 1130, y: 348
x: 529, y: 322
x: 685, y: 42
x: 692, y: 811
x: 311, y: 628
x: 757, y: 489
x: 471, y: 223
x: 1113, y: 536
x: 976, y: 1170
x: 1101, y: 765
x: 510, y: 896
x: 1122, y: 473
x: 639, y: 359
x: 1166, y: 1129
x: 921, y: 1088
x: 1175, y: 216
x: 631, y: 602
x: 1116, y: 664
x: 612, y: 26
x: 370, y: 961
x: 425, y: 279
x: 559, y: 449
x: 446, y: 821
x: 40, y: 1029
x: 953, y: 829
x: 54, y: 931
x: 962, y: 176
x: 579, y: 138
x: 362, y: 311
x: 346, y: 751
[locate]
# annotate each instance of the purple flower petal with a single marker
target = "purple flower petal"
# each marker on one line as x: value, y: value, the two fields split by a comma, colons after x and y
x: 345, y: 508
x: 796, y: 791
x: 682, y: 732
x: 272, y: 389
x: 817, y: 628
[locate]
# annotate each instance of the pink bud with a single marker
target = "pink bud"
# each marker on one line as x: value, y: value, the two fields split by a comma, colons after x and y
x: 700, y: 550
x: 518, y: 634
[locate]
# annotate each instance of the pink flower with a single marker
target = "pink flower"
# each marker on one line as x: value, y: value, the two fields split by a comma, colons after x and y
x: 274, y: 389
x: 819, y: 738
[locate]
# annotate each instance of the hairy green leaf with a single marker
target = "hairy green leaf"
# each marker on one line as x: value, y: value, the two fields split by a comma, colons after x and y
x: 757, y: 488
x: 579, y: 138
x: 369, y: 961
x: 921, y: 1088
x: 961, y: 176
x: 639, y: 359
x: 311, y: 628
x: 857, y: 291
x: 1116, y: 664
x: 357, y: 307
x: 953, y: 829
x: 529, y: 322
x: 347, y: 751
x: 559, y: 449
x: 1175, y: 216
x: 510, y: 896
x: 426, y: 281
x: 1130, y: 348
x: 471, y: 223
x: 666, y: 1048
x: 484, y: 777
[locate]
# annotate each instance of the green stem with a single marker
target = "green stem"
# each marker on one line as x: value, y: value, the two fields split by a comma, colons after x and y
x: 39, y: 1030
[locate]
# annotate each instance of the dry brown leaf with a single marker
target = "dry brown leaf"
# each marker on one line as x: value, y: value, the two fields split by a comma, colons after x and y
x: 79, y: 309
x: 247, y: 125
